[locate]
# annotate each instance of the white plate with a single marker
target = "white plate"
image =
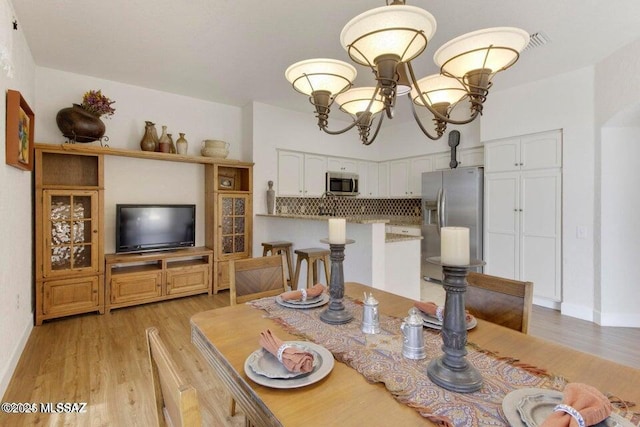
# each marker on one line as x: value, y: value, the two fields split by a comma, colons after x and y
x: 324, y: 367
x: 313, y: 300
x: 529, y: 407
x: 324, y: 298
x: 434, y: 323
x: 266, y: 364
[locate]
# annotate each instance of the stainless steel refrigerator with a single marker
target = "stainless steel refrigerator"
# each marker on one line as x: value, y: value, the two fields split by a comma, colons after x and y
x: 450, y: 198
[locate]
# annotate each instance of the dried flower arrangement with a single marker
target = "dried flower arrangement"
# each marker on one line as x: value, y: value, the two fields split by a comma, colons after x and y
x: 96, y: 103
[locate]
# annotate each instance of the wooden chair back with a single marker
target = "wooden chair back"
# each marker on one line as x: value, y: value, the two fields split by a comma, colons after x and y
x: 253, y: 278
x: 176, y: 402
x: 498, y: 300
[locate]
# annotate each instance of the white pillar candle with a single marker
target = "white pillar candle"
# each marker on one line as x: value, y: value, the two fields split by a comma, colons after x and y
x: 454, y: 245
x: 337, y: 230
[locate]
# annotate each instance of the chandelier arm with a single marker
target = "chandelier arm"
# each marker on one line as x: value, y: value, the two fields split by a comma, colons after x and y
x: 419, y: 122
x: 367, y: 141
x: 437, y: 115
x: 323, y: 127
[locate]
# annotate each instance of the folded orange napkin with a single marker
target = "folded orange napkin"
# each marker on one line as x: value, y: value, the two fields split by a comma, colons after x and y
x: 432, y: 309
x: 312, y: 292
x: 293, y: 358
x: 585, y: 401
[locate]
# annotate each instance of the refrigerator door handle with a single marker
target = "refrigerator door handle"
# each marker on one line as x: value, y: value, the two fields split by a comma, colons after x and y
x: 439, y: 211
x: 443, y: 207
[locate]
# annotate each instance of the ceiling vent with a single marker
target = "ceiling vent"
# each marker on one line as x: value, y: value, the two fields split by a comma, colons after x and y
x: 536, y: 40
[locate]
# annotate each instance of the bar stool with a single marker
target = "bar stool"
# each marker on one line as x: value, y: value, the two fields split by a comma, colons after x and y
x: 279, y: 247
x: 312, y: 256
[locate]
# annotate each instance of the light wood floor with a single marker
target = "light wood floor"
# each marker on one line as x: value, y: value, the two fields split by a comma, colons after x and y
x: 102, y: 360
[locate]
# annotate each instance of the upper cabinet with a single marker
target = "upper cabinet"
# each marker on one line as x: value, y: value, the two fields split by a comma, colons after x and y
x: 301, y: 174
x: 337, y: 164
x: 368, y: 178
x: 466, y: 157
x: 530, y: 152
x: 405, y: 176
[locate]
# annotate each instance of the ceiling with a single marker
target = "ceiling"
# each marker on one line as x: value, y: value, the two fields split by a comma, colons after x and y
x: 236, y: 51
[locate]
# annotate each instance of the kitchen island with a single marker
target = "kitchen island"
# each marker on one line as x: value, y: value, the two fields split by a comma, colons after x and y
x: 387, y: 261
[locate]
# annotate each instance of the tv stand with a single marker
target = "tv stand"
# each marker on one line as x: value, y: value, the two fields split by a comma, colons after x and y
x: 140, y: 278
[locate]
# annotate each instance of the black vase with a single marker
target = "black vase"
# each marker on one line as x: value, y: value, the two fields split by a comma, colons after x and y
x: 79, y: 125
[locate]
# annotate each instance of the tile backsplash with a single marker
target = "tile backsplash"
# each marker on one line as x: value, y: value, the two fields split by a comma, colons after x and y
x: 348, y: 206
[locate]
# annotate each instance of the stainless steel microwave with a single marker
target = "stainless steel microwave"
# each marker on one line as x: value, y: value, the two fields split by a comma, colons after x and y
x: 342, y: 183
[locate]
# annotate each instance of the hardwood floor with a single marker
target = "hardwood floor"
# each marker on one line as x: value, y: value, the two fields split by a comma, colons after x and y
x: 102, y: 360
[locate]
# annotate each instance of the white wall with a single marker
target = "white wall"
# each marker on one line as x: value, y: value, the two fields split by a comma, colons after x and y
x: 562, y: 102
x: 617, y: 120
x: 130, y: 180
x: 16, y: 314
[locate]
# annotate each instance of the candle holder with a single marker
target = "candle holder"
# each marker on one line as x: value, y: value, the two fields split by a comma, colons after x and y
x: 452, y: 371
x: 336, y: 313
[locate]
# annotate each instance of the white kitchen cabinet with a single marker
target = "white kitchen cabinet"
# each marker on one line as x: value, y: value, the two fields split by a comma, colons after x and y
x: 383, y: 179
x: 466, y: 158
x: 529, y: 152
x: 338, y: 164
x: 404, y: 230
x: 405, y: 176
x: 368, y: 179
x: 522, y: 228
x: 301, y: 174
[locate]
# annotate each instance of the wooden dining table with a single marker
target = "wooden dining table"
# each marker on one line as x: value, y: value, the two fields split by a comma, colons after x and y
x: 227, y: 336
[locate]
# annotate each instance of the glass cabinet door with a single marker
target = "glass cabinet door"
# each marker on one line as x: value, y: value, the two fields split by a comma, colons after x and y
x: 71, y: 231
x: 232, y: 224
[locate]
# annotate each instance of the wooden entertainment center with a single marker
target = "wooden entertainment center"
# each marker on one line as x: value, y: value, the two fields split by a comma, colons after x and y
x: 73, y: 274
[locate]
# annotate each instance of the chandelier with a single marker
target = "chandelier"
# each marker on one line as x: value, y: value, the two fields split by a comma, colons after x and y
x: 386, y: 39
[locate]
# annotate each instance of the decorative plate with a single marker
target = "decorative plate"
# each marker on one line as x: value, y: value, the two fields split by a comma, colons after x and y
x: 312, y: 300
x: 324, y: 367
x: 264, y: 363
x: 324, y: 298
x: 434, y: 323
x: 529, y: 407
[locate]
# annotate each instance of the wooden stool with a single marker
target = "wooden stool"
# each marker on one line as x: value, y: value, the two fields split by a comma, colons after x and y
x: 279, y: 247
x: 312, y: 256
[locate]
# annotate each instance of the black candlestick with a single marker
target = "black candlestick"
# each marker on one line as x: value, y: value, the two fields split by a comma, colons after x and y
x: 452, y: 371
x: 336, y: 313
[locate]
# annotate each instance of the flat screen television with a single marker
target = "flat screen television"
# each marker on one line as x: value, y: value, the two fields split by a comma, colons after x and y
x: 144, y: 228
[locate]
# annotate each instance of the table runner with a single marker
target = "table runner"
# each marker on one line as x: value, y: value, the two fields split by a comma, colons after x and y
x: 379, y: 359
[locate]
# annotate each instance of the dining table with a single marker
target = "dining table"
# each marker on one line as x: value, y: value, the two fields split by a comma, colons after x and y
x: 227, y: 336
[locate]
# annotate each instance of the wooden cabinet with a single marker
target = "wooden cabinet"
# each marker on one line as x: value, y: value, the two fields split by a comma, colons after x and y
x: 157, y: 276
x: 523, y: 215
x: 466, y: 157
x: 301, y: 174
x: 68, y: 233
x: 229, y: 219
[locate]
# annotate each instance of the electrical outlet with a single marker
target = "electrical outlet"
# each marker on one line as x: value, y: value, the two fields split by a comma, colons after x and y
x: 416, y: 210
x: 303, y: 208
x: 284, y: 209
x: 17, y: 301
x: 581, y: 232
x: 362, y: 209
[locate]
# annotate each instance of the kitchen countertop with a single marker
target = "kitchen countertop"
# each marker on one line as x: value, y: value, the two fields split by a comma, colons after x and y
x: 394, y: 237
x: 357, y: 219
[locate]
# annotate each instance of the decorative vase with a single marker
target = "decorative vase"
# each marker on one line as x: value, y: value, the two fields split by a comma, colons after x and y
x: 79, y: 125
x: 182, y: 145
x: 150, y: 137
x: 164, y: 144
x: 215, y: 148
x: 172, y: 146
x: 271, y: 199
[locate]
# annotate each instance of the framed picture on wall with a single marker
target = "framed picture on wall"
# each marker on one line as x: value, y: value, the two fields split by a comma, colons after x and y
x: 19, y: 132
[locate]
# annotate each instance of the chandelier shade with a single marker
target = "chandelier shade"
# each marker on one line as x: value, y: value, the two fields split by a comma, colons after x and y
x: 357, y: 100
x: 397, y: 30
x: 321, y: 74
x: 494, y: 49
x: 437, y: 89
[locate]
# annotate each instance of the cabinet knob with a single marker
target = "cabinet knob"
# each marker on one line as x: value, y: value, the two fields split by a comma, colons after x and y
x: 515, y: 210
x: 521, y: 164
x: 520, y: 210
x: 515, y: 164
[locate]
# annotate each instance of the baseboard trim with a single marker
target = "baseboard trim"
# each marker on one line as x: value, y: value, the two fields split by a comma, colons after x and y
x: 15, y: 357
x: 578, y: 311
x: 555, y: 305
x: 622, y: 320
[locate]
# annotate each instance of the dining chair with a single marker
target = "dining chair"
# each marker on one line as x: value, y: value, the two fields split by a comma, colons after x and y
x: 176, y: 401
x: 253, y: 278
x: 498, y: 300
